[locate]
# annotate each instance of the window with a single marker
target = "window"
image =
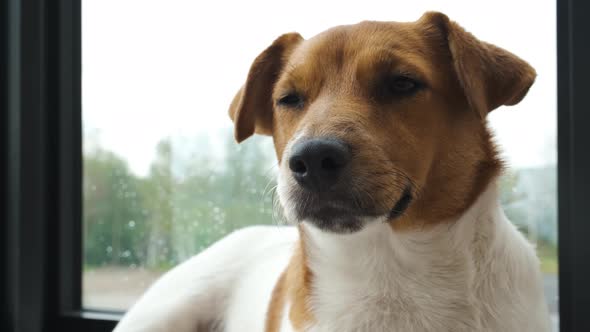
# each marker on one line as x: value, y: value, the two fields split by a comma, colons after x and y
x: 42, y: 177
x: 163, y: 177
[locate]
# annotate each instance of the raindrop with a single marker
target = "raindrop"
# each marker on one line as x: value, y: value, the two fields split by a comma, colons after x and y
x: 131, y: 223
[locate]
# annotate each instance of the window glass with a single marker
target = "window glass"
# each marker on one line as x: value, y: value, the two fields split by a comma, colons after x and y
x: 163, y: 177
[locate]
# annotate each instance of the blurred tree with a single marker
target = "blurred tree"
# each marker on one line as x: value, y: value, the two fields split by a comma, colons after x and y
x: 513, y: 200
x: 529, y: 199
x: 158, y: 190
x: 114, y: 226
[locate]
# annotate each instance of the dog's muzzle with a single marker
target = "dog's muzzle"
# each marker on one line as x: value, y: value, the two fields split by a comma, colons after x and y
x: 324, y: 192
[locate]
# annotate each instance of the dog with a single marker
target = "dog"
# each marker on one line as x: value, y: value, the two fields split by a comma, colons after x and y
x: 388, y: 170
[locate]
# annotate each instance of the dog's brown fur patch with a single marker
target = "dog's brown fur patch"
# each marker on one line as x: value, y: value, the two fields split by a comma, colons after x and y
x: 299, y: 279
x: 276, y: 305
x: 293, y: 287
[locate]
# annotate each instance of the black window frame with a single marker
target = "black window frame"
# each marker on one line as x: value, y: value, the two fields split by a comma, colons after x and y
x: 41, y: 168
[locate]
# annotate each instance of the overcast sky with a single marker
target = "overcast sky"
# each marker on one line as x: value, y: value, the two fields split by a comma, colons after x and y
x: 169, y: 68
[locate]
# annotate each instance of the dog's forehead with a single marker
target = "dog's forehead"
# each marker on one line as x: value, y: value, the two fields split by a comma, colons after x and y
x: 340, y: 43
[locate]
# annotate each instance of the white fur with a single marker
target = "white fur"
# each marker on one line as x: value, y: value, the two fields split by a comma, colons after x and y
x: 477, y: 273
x: 230, y: 283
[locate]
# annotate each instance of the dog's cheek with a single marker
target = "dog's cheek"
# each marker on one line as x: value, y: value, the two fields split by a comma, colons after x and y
x: 387, y: 163
x: 409, y: 146
x: 374, y: 177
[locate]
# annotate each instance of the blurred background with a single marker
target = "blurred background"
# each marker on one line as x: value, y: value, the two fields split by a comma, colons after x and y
x: 163, y: 177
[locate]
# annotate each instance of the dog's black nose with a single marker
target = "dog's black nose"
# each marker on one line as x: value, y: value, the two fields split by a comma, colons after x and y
x: 317, y: 163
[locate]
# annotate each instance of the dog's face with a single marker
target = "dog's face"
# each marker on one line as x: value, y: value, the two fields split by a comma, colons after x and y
x: 380, y: 120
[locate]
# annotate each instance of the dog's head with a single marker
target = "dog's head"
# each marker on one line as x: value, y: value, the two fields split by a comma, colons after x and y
x: 380, y: 120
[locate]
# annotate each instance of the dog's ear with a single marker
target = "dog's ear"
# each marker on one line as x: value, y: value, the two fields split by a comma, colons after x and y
x: 251, y: 108
x: 490, y: 76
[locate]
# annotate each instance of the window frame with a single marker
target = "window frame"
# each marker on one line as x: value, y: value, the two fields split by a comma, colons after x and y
x: 573, y: 180
x: 41, y: 168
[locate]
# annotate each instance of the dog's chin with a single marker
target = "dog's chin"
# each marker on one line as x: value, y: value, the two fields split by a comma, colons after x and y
x: 339, y: 224
x: 339, y: 211
x: 339, y: 218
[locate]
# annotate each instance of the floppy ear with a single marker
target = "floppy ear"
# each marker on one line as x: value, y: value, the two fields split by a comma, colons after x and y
x: 251, y: 108
x: 490, y: 76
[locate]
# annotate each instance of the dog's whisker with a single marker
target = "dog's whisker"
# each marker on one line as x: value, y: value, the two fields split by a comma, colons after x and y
x: 277, y: 215
x: 270, y: 185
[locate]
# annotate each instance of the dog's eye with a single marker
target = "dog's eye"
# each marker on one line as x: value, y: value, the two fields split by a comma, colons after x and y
x: 402, y: 85
x: 394, y: 87
x: 292, y: 100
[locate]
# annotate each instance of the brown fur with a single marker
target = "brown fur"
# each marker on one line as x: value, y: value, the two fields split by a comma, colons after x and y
x: 436, y: 141
x: 299, y: 279
x: 276, y: 305
x: 293, y: 286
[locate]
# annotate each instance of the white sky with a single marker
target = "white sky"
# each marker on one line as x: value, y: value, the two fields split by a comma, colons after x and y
x: 155, y: 69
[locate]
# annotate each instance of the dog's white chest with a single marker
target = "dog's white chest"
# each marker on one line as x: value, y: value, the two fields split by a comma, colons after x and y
x: 374, y: 283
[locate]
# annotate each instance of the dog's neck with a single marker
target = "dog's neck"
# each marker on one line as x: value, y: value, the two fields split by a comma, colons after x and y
x: 369, y: 279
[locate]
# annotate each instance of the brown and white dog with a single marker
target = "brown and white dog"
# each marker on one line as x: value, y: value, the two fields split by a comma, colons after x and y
x: 389, y: 171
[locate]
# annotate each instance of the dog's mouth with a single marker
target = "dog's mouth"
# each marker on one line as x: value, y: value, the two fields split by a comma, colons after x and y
x: 402, y: 204
x: 345, y: 212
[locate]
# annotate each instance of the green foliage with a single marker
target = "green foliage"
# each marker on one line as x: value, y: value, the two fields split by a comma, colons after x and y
x: 114, y: 218
x: 169, y: 215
